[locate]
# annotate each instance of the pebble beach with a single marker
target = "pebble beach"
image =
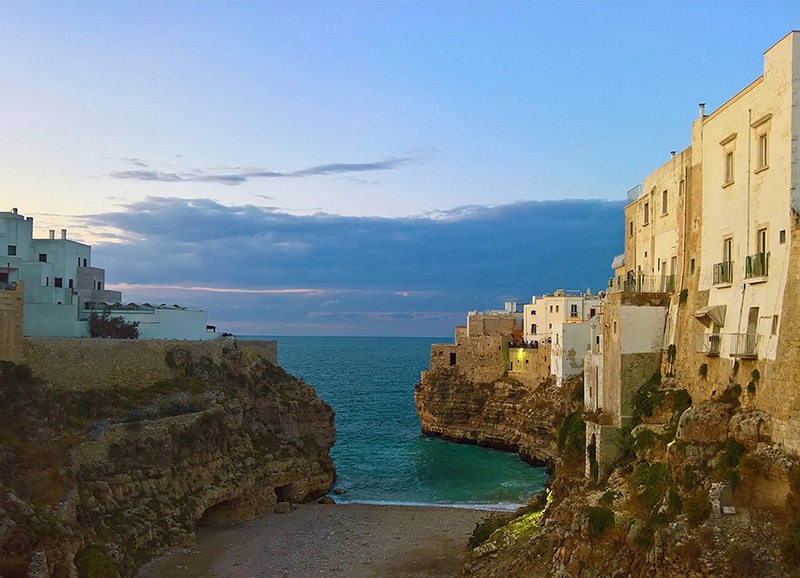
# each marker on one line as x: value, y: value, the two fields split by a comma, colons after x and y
x: 343, y: 540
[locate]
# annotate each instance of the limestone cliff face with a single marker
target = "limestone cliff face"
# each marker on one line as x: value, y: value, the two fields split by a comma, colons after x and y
x: 225, y: 440
x: 506, y: 414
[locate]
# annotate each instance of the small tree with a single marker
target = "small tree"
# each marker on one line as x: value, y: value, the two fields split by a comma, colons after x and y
x: 104, y: 325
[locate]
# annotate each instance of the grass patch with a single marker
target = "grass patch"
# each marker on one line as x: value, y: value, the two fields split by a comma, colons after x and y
x: 600, y: 519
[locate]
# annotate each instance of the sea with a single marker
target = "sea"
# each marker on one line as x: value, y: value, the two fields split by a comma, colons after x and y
x: 380, y: 454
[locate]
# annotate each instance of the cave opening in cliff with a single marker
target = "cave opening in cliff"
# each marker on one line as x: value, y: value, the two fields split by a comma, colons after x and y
x: 217, y: 514
x: 286, y: 493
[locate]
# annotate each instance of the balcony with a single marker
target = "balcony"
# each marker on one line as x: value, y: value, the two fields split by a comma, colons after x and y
x: 740, y: 345
x: 642, y: 284
x: 744, y: 345
x: 756, y: 266
x: 709, y: 343
x: 723, y: 273
x: 634, y: 193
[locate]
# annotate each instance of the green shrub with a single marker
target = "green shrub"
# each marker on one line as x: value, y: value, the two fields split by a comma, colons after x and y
x: 650, y: 482
x: 600, y: 519
x: 751, y: 388
x: 104, y: 325
x: 681, y: 401
x: 735, y: 367
x: 92, y: 563
x: 727, y: 470
x: 702, y: 371
x: 648, y: 397
x: 683, y: 296
x: 608, y: 498
x: 487, y: 526
x: 572, y: 434
x: 671, y: 353
x: 697, y: 507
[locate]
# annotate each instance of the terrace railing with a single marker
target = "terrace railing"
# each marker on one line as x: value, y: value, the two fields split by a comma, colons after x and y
x: 723, y: 272
x: 642, y: 284
x: 756, y: 265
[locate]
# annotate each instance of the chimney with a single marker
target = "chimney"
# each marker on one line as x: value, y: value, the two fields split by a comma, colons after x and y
x: 672, y: 153
x: 63, y: 234
x: 52, y: 233
x: 14, y: 211
x: 702, y: 110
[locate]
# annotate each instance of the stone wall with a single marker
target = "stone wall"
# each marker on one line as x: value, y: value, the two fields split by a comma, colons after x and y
x: 11, y: 343
x: 530, y: 366
x: 100, y: 363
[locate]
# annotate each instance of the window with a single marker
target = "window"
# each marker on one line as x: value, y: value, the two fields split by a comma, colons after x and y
x: 728, y: 178
x: 682, y: 188
x: 84, y: 262
x: 782, y: 237
x: 592, y: 312
x: 691, y: 267
x: 556, y: 308
x: 664, y: 196
x: 58, y: 282
x: 533, y: 328
x: 551, y: 309
x: 646, y: 213
x: 71, y: 284
x: 12, y: 250
x: 42, y: 257
x: 761, y: 240
x: 774, y: 325
x: 728, y: 166
x: 47, y: 281
x: 762, y: 158
x: 452, y: 358
x: 630, y: 229
x: 727, y: 250
x: 573, y: 310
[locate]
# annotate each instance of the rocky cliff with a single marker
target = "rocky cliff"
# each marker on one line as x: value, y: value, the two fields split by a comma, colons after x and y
x: 505, y: 414
x: 96, y: 482
x: 695, y: 491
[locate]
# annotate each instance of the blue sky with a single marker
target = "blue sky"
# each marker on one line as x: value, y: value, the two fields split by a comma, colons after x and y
x: 371, y: 167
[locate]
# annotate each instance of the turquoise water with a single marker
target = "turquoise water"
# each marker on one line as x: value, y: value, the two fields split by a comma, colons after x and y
x: 380, y: 454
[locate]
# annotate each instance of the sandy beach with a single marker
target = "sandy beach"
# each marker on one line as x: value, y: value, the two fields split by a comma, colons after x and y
x: 343, y: 540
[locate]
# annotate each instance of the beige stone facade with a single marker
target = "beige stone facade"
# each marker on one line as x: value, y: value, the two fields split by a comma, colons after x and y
x: 713, y: 233
x: 11, y: 304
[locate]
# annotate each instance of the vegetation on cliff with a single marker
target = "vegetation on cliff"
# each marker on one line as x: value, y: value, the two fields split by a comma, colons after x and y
x: 695, y: 490
x: 95, y: 481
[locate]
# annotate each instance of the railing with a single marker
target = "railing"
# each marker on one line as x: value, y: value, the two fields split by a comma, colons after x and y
x: 634, y: 193
x: 744, y: 345
x: 723, y: 273
x: 709, y: 343
x: 741, y: 345
x: 756, y: 265
x: 642, y: 284
x: 8, y: 286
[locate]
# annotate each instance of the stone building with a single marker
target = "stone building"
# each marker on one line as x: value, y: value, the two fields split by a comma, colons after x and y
x: 711, y: 262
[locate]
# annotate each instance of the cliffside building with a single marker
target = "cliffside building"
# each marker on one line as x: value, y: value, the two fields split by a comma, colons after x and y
x: 62, y: 288
x: 711, y: 261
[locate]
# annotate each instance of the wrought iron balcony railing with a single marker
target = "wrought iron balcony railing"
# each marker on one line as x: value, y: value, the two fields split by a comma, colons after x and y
x: 741, y: 345
x: 723, y: 272
x: 642, y: 284
x: 756, y: 265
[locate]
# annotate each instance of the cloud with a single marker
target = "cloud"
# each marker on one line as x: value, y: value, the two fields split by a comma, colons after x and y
x: 237, y: 178
x: 249, y: 265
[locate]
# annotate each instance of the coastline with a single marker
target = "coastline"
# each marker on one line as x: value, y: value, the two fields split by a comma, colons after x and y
x: 353, y: 540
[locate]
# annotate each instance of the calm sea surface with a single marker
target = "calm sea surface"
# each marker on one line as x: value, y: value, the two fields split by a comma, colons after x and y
x: 380, y: 454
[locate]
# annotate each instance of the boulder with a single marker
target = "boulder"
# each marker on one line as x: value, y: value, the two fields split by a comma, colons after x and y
x: 750, y: 428
x: 705, y: 423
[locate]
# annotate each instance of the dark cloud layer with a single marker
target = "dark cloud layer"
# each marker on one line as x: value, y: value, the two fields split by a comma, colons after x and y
x: 330, y: 274
x: 239, y: 177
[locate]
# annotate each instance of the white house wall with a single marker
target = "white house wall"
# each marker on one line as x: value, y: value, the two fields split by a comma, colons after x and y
x: 643, y: 329
x: 756, y: 198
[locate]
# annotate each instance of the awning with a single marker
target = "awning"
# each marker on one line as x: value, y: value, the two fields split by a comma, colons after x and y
x: 711, y: 314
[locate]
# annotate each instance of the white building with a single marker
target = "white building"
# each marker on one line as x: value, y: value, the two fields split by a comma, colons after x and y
x: 62, y: 288
x: 542, y: 313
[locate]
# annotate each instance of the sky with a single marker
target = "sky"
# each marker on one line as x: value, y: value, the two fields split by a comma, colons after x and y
x: 356, y: 168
